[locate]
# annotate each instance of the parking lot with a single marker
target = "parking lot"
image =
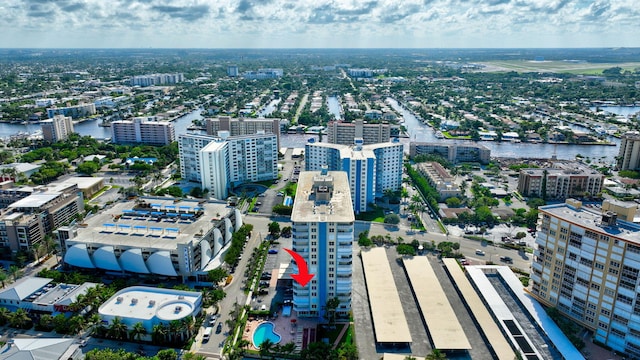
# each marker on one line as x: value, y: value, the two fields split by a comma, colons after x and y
x: 421, y: 346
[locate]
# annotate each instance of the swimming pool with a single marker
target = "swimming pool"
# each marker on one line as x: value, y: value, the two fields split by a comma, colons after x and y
x: 265, y: 331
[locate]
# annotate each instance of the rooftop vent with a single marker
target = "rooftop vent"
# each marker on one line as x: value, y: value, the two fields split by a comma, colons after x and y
x: 119, y: 299
x: 134, y: 301
x: 609, y: 218
x: 152, y: 303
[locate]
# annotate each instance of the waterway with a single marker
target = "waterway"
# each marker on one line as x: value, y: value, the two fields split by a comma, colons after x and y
x: 91, y: 127
x: 269, y: 108
x: 618, y: 110
x: 417, y: 131
x: 334, y: 107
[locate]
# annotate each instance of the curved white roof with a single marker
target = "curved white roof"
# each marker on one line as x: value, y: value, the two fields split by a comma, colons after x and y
x: 238, y: 219
x: 160, y: 263
x: 131, y: 260
x: 77, y: 255
x: 228, y: 230
x: 205, y: 253
x: 105, y: 258
x: 218, y: 241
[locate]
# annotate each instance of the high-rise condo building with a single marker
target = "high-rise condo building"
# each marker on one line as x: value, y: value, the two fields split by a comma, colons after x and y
x: 371, y: 169
x: 221, y: 163
x: 344, y: 133
x: 142, y: 130
x: 243, y: 126
x: 562, y: 180
x: 587, y: 265
x: 455, y: 153
x: 629, y: 154
x: 323, y: 232
x: 57, y: 128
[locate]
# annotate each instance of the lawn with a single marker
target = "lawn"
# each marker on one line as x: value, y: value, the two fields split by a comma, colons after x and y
x: 376, y: 215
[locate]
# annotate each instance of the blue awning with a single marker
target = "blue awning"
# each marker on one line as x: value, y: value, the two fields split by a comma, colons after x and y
x: 128, y: 211
x: 185, y: 207
x: 156, y: 205
x: 197, y: 208
x: 139, y: 227
x: 169, y: 206
x: 109, y: 225
x: 143, y: 213
x: 186, y: 215
x: 173, y: 230
x: 123, y: 226
x: 157, y: 213
x: 172, y: 214
x: 155, y: 228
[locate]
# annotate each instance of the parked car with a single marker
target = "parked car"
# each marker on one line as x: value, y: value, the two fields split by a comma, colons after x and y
x: 506, y: 259
x: 219, y: 328
x: 212, y: 320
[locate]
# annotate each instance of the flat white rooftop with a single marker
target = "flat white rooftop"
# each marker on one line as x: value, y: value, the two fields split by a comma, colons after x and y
x: 145, y: 303
x: 34, y: 200
x: 389, y: 323
x: 307, y: 207
x: 442, y: 322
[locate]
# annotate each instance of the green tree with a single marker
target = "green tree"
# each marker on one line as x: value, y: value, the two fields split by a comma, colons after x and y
x: 392, y: 219
x: 453, y: 202
x: 347, y: 351
x: 217, y: 275
x: 137, y: 331
x: 88, y: 168
x: 167, y: 354
x: 117, y: 329
x: 274, y: 229
x: 436, y: 355
x: 330, y: 310
x: 266, y: 348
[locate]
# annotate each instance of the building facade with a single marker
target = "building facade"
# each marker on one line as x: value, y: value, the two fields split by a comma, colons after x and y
x: 563, y: 180
x: 154, y: 236
x: 221, y: 163
x: 76, y: 111
x: 587, y: 265
x: 323, y: 233
x: 243, y: 126
x: 339, y: 132
x: 157, y: 79
x: 142, y: 130
x: 440, y: 179
x: 232, y: 70
x: 629, y: 154
x: 455, y: 153
x: 371, y: 169
x: 57, y: 128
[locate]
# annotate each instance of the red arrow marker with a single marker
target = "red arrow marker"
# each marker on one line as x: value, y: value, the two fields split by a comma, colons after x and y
x: 303, y: 277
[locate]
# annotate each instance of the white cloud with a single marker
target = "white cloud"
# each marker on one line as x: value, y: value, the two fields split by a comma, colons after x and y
x: 321, y: 23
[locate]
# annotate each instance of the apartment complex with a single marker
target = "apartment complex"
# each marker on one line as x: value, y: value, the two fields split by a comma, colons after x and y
x: 142, y: 130
x: 243, y: 126
x: 455, y: 153
x: 440, y: 179
x: 340, y: 132
x: 37, y: 212
x: 629, y: 155
x: 57, y: 128
x: 561, y: 181
x: 371, y: 169
x: 323, y: 233
x: 232, y: 70
x: 157, y: 79
x: 152, y: 235
x: 75, y: 111
x: 263, y: 74
x: 221, y: 163
x: 587, y: 265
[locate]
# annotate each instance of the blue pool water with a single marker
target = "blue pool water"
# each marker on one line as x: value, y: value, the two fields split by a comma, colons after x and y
x: 265, y: 331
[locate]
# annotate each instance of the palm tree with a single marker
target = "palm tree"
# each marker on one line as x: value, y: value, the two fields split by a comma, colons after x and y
x: 35, y: 250
x: 436, y: 355
x: 15, y: 272
x: 243, y: 344
x: 175, y: 326
x: 3, y: 275
x: 5, y: 315
x: 266, y: 347
x: 117, y: 329
x: 20, y: 319
x: 94, y: 320
x: 347, y: 352
x: 76, y: 324
x: 189, y: 324
x: 330, y: 308
x: 159, y: 334
x: 288, y: 348
x: 137, y: 331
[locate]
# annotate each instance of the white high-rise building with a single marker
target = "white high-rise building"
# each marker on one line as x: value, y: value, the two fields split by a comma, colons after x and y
x: 214, y: 162
x: 323, y: 234
x: 371, y: 169
x: 142, y: 130
x: 629, y: 154
x: 57, y: 128
x: 230, y: 160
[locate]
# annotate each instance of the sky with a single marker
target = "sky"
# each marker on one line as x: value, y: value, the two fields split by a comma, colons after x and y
x: 319, y: 23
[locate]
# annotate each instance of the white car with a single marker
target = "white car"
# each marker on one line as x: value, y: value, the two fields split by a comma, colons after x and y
x: 480, y: 252
x: 212, y: 320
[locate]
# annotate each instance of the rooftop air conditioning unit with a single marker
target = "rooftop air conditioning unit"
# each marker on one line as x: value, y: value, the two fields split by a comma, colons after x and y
x: 134, y: 301
x: 152, y: 303
x: 119, y: 299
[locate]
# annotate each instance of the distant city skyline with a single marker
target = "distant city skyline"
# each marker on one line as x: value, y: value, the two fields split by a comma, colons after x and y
x: 319, y: 24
